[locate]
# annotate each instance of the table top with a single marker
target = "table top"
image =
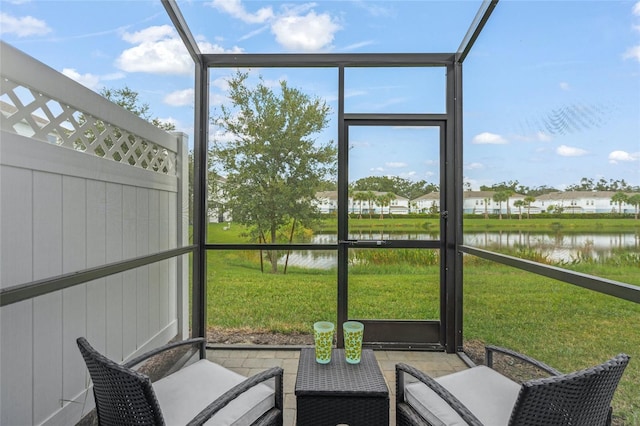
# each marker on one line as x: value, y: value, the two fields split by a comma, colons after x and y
x: 338, y: 377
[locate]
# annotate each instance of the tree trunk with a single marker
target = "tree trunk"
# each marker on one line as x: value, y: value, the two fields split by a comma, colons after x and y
x: 286, y: 263
x: 273, y: 253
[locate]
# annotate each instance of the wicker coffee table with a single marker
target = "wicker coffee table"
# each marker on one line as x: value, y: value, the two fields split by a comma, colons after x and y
x: 341, y: 393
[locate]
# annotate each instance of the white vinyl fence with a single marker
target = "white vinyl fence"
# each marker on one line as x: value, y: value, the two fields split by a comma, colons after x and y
x: 83, y: 184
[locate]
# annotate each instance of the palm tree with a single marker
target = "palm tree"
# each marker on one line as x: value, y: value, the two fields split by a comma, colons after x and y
x: 508, y: 193
x: 385, y: 200
x: 527, y: 201
x: 360, y: 197
x: 619, y: 198
x: 370, y: 197
x: 500, y: 197
x: 519, y: 204
x: 634, y: 200
x: 486, y: 207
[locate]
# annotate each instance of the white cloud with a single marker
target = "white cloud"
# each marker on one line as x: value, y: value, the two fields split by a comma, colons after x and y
x: 489, y: 138
x: 159, y: 50
x: 221, y: 83
x: 539, y: 136
x: 632, y: 53
x: 216, y: 99
x: 396, y: 165
x: 237, y: 10
x: 543, y: 137
x: 180, y: 97
x: 297, y: 27
x: 407, y: 175
x: 22, y: 27
x: 375, y: 9
x: 617, y: 156
x: 636, y: 9
x: 570, y: 151
x: 308, y: 33
x: 356, y: 46
x: 564, y: 86
x: 254, y: 33
x: 474, y: 166
x: 171, y: 120
x: 91, y: 81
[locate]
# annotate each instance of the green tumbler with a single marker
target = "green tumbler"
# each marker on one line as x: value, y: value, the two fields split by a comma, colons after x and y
x: 353, y: 331
x: 323, y: 336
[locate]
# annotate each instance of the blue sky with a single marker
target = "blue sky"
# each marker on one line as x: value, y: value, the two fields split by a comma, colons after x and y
x: 552, y: 88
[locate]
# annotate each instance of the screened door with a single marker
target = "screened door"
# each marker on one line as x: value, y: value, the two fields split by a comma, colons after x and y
x: 390, y: 250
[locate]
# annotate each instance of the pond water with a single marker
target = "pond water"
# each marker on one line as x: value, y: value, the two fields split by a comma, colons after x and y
x: 556, y: 247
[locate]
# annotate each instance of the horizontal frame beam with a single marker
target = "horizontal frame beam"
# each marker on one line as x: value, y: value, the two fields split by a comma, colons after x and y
x: 38, y: 288
x: 327, y: 60
x: 386, y: 119
x: 602, y: 285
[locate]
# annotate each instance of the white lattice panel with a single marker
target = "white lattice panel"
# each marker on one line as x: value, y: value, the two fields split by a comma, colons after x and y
x: 33, y: 114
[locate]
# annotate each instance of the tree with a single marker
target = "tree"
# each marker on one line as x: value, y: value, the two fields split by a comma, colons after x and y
x: 360, y: 196
x: 527, y: 202
x: 619, y: 198
x: 397, y: 185
x: 508, y: 193
x: 500, y: 197
x: 129, y: 100
x: 272, y: 163
x: 385, y: 200
x: 486, y: 207
x: 370, y: 197
x: 634, y: 200
x: 519, y: 204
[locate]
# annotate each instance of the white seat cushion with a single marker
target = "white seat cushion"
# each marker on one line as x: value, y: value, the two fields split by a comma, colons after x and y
x: 489, y: 395
x: 185, y: 393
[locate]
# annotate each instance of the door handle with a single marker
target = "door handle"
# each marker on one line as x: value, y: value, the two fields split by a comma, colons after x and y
x: 365, y: 243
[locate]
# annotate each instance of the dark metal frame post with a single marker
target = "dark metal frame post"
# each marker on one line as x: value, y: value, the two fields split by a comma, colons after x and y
x: 455, y: 342
x: 343, y: 213
x: 199, y: 305
x: 201, y: 133
x: 449, y: 219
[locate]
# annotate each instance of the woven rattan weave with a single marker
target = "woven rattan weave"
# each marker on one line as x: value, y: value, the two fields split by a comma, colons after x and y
x: 126, y: 397
x: 341, y: 393
x: 581, y: 398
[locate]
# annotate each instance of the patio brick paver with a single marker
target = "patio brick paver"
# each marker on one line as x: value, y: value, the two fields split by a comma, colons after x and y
x: 251, y: 361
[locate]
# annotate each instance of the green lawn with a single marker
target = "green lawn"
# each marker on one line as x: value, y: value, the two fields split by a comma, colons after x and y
x: 563, y: 325
x: 431, y: 224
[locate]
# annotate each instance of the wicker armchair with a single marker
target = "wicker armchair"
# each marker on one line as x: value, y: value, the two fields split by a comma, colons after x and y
x: 201, y: 393
x: 481, y: 396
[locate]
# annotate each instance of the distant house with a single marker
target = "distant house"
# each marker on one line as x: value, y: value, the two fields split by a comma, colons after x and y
x: 327, y: 202
x: 427, y: 203
x: 218, y: 212
x: 582, y: 202
x: 399, y: 205
x: 474, y: 202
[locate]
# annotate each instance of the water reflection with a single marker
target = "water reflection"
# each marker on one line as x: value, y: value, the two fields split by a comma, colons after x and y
x: 556, y: 247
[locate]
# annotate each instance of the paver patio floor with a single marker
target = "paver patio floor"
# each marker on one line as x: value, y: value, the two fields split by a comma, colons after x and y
x: 251, y: 361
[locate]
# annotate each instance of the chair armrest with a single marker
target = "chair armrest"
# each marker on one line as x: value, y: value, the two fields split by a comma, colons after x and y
x: 443, y: 393
x: 156, y: 351
x: 224, y: 399
x: 489, y: 349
